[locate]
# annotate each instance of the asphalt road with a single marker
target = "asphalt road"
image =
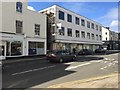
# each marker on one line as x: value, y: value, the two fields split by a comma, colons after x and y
x: 38, y: 73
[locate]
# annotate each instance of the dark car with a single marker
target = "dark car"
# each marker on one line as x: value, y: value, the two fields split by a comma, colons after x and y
x: 60, y: 56
x: 100, y: 50
x: 85, y: 52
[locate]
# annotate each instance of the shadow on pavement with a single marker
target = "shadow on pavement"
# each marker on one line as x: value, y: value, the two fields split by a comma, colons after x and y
x: 27, y: 80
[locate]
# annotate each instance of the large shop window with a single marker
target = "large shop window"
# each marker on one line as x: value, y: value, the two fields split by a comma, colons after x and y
x: 16, y: 48
x: 36, y: 48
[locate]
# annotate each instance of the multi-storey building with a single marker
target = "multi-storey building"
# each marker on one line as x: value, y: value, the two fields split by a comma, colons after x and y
x: 76, y: 32
x: 22, y: 32
x: 109, y: 38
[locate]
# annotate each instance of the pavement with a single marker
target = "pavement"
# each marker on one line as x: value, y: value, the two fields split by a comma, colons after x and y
x: 108, y: 81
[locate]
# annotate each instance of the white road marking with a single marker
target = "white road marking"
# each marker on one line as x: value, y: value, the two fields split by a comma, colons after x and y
x: 69, y: 63
x: 96, y: 61
x: 32, y: 70
x: 105, y: 62
x: 106, y: 58
x: 103, y: 68
x: 73, y: 67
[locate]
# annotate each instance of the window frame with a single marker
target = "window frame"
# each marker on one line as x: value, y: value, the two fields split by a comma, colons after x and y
x: 88, y: 36
x: 69, y: 18
x: 62, y: 31
x: 68, y: 32
x: 82, y: 22
x: 93, y: 36
x: 37, y: 32
x: 88, y: 24
x: 77, y: 21
x: 19, y: 6
x: 92, y: 25
x: 83, y: 34
x: 18, y: 26
x: 77, y: 33
x: 63, y: 15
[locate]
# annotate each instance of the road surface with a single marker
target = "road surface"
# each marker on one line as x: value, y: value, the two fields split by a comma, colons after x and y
x: 38, y: 73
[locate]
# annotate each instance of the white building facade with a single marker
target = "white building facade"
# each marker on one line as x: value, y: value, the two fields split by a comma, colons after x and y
x: 22, y: 32
x: 109, y: 39
x: 77, y: 31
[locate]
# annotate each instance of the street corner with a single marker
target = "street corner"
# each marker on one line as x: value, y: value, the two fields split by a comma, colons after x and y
x: 108, y: 81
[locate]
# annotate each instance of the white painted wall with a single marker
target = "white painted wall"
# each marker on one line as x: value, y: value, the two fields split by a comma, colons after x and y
x: 104, y: 35
x: 29, y: 18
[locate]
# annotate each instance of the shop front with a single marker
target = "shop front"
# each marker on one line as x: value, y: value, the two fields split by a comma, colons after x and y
x: 11, y: 45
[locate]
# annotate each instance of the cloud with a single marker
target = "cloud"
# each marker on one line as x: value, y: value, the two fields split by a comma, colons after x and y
x: 110, y: 19
x: 31, y: 8
x: 114, y: 23
x: 111, y: 14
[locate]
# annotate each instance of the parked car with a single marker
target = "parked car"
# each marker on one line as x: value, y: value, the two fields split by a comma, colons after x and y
x: 100, y: 50
x: 60, y: 56
x: 85, y: 52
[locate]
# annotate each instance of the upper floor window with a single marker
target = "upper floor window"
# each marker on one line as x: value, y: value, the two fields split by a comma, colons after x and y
x: 77, y: 33
x: 37, y: 29
x: 96, y: 27
x: 69, y: 18
x: 82, y: 22
x: 106, y: 38
x: 19, y: 7
x: 88, y: 24
x: 88, y: 35
x: 97, y: 37
x: 62, y: 31
x: 93, y: 36
x: 61, y: 15
x: 77, y: 20
x: 92, y: 25
x: 83, y: 34
x: 69, y: 32
x: 19, y: 26
x: 100, y: 28
x: 100, y: 37
x: 106, y: 33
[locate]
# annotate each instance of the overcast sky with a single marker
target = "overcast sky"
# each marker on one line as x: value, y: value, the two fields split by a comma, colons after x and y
x: 105, y: 13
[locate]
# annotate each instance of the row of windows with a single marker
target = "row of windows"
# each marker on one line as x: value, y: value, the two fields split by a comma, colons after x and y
x: 19, y: 27
x: 77, y: 33
x: 77, y: 21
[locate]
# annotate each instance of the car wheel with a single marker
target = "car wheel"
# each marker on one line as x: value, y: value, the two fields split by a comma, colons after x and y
x: 61, y: 60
